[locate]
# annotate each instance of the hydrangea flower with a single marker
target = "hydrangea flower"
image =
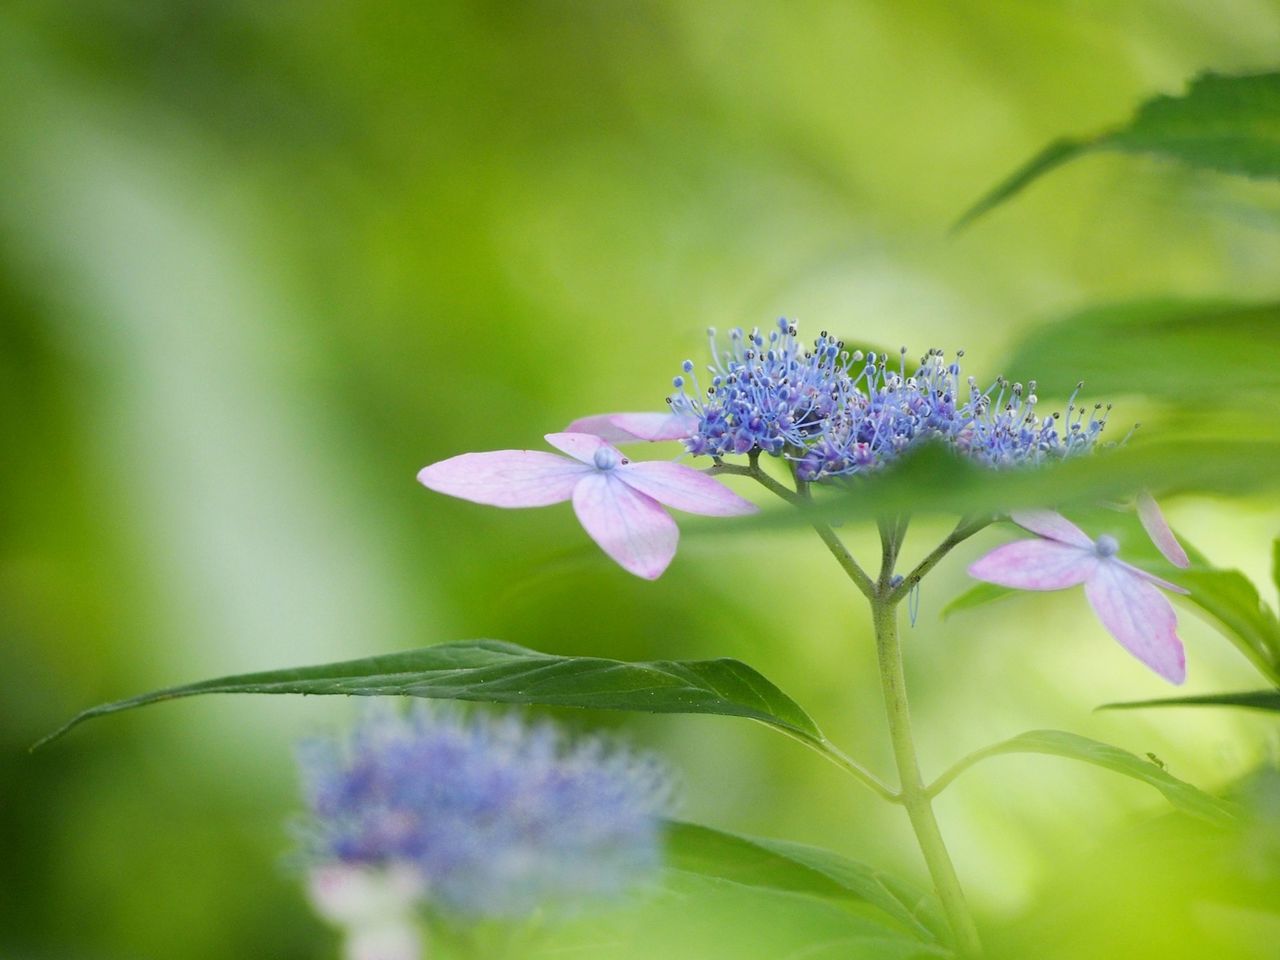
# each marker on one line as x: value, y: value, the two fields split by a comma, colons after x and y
x: 481, y: 816
x: 835, y: 412
x: 1124, y: 597
x: 618, y: 502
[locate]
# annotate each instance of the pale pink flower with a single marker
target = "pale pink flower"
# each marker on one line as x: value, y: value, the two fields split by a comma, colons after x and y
x: 1124, y: 598
x: 619, y: 503
x: 1157, y: 528
x: 630, y: 427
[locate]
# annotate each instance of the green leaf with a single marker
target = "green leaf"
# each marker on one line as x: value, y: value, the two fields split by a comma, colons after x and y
x: 1254, y: 700
x: 1059, y: 743
x: 699, y: 916
x: 1231, y: 600
x: 932, y: 480
x: 978, y: 595
x: 1165, y: 349
x: 496, y: 672
x: 1275, y: 565
x: 798, y: 868
x: 1054, y: 155
x: 1226, y: 123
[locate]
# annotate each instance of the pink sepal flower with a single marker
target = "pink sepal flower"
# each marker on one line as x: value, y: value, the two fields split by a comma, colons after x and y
x: 619, y: 503
x: 633, y: 427
x: 1124, y: 597
x: 1158, y: 530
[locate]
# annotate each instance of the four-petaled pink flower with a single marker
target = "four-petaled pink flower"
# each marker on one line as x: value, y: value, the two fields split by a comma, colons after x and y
x: 618, y: 502
x: 1123, y: 597
x: 630, y: 427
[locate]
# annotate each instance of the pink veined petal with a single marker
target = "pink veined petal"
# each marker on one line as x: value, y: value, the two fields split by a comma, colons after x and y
x: 1140, y: 617
x: 1152, y: 578
x: 601, y: 425
x: 583, y: 446
x: 506, y: 478
x: 1035, y: 565
x: 684, y: 488
x: 632, y: 427
x: 1158, y: 530
x: 630, y: 527
x: 657, y: 426
x: 1052, y: 525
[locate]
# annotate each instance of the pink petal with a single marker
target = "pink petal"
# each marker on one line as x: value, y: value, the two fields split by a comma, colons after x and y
x: 1152, y: 578
x: 1035, y: 565
x: 582, y: 446
x: 505, y: 478
x: 657, y: 426
x: 602, y: 426
x: 630, y: 427
x: 1157, y: 528
x: 684, y: 488
x: 630, y: 527
x: 1140, y: 617
x: 1052, y: 525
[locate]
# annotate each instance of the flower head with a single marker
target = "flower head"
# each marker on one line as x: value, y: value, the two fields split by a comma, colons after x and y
x: 1124, y: 597
x: 836, y: 412
x: 618, y: 502
x: 481, y: 816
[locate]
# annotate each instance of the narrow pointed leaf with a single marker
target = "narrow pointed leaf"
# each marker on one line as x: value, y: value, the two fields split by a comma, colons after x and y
x: 1050, y: 158
x: 496, y: 672
x: 1252, y: 700
x: 1275, y: 564
x: 1190, y: 800
x: 979, y: 595
x: 1229, y: 124
x: 798, y: 868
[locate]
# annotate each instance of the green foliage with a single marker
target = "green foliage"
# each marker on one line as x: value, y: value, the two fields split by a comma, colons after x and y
x: 931, y: 480
x: 1254, y: 700
x: 492, y: 671
x: 1225, y: 123
x: 1059, y: 743
x: 798, y: 868
x: 1167, y: 349
x: 978, y: 595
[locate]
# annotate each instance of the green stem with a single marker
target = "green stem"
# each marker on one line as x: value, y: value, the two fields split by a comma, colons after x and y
x: 914, y: 796
x: 884, y: 597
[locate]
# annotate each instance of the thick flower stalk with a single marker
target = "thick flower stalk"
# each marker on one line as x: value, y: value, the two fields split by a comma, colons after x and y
x: 477, y: 816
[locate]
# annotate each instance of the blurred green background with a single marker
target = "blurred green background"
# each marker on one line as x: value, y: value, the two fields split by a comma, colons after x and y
x: 259, y: 262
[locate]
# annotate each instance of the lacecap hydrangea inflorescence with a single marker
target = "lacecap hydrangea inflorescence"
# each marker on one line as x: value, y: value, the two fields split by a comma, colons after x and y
x: 835, y: 412
x: 498, y: 817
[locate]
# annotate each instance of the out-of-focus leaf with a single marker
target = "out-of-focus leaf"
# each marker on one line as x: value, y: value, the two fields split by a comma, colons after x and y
x: 932, y: 480
x: 978, y: 595
x: 1255, y: 700
x: 496, y: 672
x: 798, y: 868
x: 1275, y: 564
x: 1054, y: 155
x: 1231, y: 599
x: 1059, y: 743
x: 1225, y: 123
x: 1167, y: 349
x: 692, y: 914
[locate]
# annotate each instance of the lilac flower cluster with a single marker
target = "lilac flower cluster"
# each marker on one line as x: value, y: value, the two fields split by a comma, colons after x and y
x: 835, y: 412
x: 496, y: 817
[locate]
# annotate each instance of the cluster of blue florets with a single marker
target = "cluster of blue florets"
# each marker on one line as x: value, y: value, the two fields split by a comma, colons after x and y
x: 498, y: 817
x: 835, y: 412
